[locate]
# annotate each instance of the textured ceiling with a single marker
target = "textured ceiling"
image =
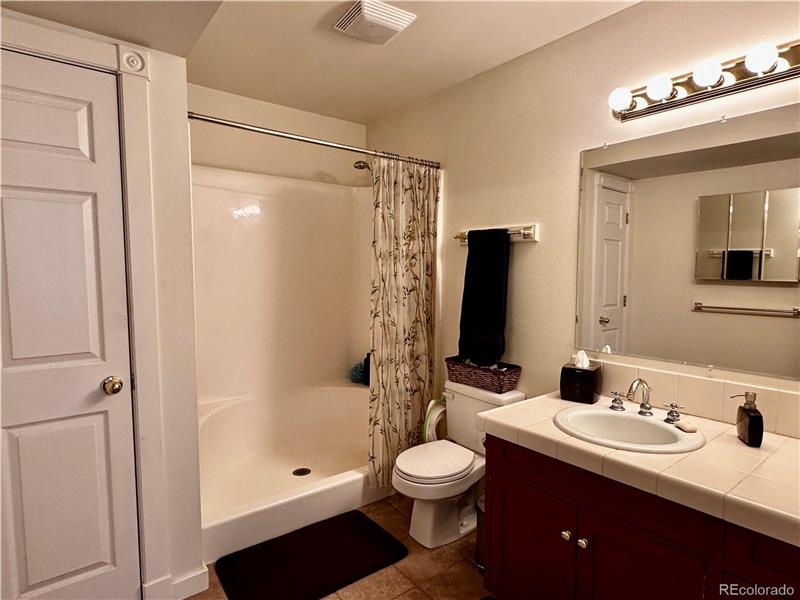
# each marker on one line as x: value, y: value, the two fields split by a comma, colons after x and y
x: 289, y: 53
x: 172, y: 27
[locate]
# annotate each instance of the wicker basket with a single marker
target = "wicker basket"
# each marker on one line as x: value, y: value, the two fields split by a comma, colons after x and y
x: 485, y: 378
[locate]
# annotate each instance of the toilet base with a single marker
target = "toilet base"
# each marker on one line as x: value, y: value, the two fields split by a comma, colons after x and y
x: 435, y: 523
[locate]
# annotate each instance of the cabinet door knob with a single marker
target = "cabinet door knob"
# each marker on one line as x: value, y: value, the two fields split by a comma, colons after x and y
x: 583, y: 543
x: 566, y: 535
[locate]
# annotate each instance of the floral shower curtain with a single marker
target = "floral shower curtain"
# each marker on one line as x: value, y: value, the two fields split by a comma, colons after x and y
x: 405, y: 198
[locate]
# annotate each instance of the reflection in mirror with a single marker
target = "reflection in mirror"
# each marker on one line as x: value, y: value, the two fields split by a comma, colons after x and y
x: 712, y: 236
x: 782, y: 236
x: 717, y: 223
x: 738, y: 241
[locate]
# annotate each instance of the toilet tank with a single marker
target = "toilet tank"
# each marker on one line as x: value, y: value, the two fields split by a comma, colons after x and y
x: 464, y: 402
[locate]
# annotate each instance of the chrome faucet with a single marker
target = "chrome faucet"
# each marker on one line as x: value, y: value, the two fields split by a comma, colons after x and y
x: 644, y: 408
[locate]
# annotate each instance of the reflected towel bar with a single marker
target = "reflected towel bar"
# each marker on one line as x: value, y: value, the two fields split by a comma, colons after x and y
x: 791, y: 313
x: 524, y: 232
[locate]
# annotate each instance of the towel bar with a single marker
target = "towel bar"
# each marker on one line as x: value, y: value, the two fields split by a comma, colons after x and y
x: 768, y: 252
x: 791, y: 313
x: 529, y: 233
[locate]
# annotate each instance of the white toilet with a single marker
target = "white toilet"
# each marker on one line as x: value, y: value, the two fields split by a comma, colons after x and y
x: 442, y: 475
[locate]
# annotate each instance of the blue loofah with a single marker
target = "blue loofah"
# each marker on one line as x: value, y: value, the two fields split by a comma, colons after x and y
x: 357, y: 373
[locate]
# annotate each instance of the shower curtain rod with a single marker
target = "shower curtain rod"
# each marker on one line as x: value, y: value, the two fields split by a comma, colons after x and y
x: 309, y: 140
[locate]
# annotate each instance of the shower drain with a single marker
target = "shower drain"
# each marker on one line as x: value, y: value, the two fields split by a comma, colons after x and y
x: 301, y: 472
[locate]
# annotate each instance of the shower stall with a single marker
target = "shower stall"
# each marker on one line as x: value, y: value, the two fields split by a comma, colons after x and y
x: 282, y: 301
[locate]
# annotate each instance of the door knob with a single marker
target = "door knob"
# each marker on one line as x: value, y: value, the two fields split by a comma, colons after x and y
x: 566, y: 535
x: 583, y: 543
x: 604, y: 320
x: 111, y: 385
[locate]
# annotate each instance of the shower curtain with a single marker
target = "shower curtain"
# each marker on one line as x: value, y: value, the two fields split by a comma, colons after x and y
x: 405, y: 198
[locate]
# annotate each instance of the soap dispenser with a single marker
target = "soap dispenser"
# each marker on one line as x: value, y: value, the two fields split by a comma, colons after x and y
x: 749, y: 421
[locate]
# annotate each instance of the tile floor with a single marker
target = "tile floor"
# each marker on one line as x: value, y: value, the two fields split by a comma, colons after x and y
x: 445, y: 573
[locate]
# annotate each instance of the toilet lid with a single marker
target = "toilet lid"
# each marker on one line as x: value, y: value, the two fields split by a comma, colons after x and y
x: 435, y: 461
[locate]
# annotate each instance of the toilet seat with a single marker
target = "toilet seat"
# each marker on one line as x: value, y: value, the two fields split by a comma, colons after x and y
x: 436, y: 462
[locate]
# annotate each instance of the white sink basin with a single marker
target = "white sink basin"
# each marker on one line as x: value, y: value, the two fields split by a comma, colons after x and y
x: 626, y: 430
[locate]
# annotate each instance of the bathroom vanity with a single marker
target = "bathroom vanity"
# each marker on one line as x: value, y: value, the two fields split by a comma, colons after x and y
x: 559, y: 526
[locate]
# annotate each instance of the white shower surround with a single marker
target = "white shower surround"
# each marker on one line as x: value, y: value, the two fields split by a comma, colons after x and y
x: 249, y: 448
x: 282, y: 297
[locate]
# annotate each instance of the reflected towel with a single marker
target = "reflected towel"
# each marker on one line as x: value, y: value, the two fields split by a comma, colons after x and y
x: 738, y: 265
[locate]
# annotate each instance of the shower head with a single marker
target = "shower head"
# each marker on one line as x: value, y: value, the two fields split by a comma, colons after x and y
x: 361, y: 165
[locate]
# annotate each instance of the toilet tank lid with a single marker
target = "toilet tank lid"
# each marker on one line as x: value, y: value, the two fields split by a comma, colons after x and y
x: 484, y: 395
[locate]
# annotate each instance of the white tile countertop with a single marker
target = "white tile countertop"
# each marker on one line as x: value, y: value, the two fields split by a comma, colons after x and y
x: 757, y: 488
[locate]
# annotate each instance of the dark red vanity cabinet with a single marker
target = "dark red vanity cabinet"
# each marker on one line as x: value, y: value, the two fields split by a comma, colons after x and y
x: 753, y: 558
x: 625, y: 562
x: 527, y: 539
x: 555, y: 531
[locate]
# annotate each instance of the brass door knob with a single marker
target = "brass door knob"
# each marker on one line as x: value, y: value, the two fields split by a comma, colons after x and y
x: 566, y: 535
x: 111, y: 385
x: 604, y: 320
x: 583, y: 543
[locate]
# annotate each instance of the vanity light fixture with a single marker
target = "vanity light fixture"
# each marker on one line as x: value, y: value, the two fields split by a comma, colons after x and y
x: 764, y: 64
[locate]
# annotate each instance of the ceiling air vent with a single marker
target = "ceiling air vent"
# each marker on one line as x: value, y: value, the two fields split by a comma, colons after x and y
x: 374, y: 21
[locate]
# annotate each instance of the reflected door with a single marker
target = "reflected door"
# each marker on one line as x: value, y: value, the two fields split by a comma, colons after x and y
x: 68, y: 487
x: 610, y: 266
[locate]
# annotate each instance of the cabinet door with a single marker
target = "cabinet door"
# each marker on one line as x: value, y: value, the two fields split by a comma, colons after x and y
x: 622, y: 563
x: 753, y: 558
x: 529, y: 557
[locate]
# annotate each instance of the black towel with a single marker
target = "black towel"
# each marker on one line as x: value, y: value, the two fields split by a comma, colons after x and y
x: 739, y: 265
x: 483, y: 307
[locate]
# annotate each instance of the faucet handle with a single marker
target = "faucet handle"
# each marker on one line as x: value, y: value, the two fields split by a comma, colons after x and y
x: 673, y: 416
x: 616, y: 401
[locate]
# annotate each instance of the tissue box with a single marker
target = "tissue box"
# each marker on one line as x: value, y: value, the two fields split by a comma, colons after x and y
x: 580, y: 384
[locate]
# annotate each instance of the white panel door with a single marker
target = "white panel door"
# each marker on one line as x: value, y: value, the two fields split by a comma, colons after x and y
x: 610, y: 263
x: 68, y: 487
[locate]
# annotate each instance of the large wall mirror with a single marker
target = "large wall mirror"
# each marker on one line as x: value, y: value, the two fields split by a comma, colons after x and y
x: 689, y: 245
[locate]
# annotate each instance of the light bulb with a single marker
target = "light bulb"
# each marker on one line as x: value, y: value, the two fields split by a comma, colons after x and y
x: 707, y: 74
x: 659, y: 88
x: 620, y: 99
x: 728, y: 78
x: 782, y: 65
x: 761, y: 58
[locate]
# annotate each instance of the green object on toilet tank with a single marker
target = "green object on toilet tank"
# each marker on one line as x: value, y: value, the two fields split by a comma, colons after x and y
x: 436, y: 407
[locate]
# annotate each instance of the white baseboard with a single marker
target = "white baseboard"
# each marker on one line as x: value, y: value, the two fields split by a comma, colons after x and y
x: 159, y: 589
x: 190, y: 584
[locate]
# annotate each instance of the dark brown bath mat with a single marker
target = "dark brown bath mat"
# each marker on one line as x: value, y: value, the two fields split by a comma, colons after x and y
x: 312, y: 562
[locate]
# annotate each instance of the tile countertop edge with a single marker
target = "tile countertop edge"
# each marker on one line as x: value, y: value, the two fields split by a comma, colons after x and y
x: 641, y: 471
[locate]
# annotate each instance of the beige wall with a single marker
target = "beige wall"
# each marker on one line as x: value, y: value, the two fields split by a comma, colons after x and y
x: 662, y: 285
x: 510, y: 141
x: 218, y: 146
